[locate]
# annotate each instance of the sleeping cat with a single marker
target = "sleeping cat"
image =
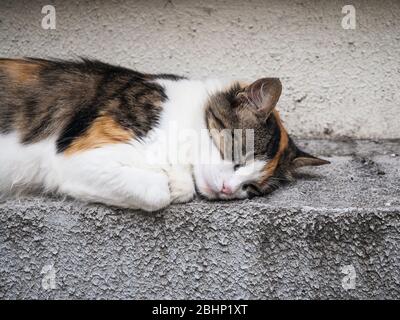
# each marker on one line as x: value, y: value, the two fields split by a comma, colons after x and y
x: 98, y: 133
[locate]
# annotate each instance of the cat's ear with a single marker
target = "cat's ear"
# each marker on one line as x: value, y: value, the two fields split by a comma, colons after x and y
x: 262, y: 95
x: 304, y: 159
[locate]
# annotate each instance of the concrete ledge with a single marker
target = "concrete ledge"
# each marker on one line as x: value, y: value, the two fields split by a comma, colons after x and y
x: 332, y: 234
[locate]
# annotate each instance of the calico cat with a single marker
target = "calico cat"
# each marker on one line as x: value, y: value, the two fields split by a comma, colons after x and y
x: 86, y: 129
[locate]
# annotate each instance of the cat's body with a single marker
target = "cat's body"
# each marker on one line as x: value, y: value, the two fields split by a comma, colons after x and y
x: 103, y: 134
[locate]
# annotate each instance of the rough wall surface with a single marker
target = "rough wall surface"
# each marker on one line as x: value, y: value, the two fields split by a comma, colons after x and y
x: 336, y: 82
x: 335, y: 233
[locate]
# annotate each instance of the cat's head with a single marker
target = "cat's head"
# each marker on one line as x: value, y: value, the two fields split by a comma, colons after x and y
x: 274, y: 155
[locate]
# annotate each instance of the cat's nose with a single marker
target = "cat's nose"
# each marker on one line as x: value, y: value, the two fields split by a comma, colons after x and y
x: 226, y: 189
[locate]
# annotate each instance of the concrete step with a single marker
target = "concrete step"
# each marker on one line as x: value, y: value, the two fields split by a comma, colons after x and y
x: 332, y: 234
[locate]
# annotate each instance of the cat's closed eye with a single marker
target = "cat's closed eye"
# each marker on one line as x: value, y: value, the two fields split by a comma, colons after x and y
x: 236, y: 167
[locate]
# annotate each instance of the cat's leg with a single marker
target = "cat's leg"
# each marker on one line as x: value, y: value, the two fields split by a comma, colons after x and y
x: 95, y: 177
x: 181, y: 183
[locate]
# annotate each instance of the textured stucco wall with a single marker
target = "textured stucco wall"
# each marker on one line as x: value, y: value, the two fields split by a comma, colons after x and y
x: 333, y: 234
x: 336, y: 82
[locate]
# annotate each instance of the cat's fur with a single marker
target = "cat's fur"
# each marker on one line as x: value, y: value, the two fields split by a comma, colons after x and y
x: 85, y: 129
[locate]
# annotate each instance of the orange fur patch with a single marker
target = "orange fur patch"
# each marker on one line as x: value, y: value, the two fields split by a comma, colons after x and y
x: 103, y: 131
x: 271, y: 166
x: 20, y: 71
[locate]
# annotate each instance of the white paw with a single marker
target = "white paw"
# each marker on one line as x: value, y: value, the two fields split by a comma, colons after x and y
x: 157, y: 197
x: 182, y: 188
x: 182, y: 194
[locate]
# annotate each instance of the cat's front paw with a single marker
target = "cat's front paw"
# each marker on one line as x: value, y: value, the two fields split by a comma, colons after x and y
x: 181, y: 187
x: 182, y: 194
x: 157, y: 198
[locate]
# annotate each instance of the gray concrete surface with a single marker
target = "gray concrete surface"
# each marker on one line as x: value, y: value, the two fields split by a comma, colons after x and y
x: 336, y: 82
x: 335, y: 233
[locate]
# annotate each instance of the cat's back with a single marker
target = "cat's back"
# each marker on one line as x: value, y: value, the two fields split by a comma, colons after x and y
x: 50, y: 110
x: 40, y: 99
